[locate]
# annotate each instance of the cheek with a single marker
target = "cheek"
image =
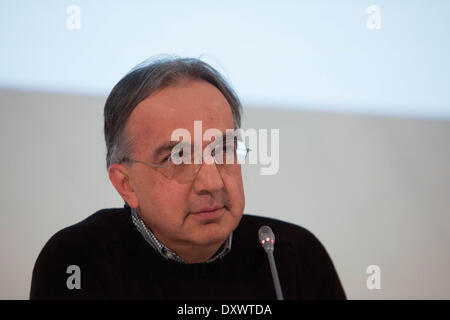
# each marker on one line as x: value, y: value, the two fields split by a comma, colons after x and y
x: 235, y: 189
x: 163, y: 200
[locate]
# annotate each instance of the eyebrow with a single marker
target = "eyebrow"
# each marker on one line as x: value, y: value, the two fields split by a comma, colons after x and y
x: 165, y: 147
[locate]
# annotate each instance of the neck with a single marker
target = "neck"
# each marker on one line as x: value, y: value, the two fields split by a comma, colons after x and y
x: 198, y: 254
x: 192, y: 253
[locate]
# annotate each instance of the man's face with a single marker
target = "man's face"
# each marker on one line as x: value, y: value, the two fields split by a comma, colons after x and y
x: 167, y: 206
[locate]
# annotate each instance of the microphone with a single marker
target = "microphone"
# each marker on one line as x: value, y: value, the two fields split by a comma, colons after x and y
x: 267, y: 240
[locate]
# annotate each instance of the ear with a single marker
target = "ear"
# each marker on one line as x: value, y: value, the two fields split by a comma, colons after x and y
x: 119, y: 177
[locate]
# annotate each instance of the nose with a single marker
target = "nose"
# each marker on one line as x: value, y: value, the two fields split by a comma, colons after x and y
x: 208, y: 179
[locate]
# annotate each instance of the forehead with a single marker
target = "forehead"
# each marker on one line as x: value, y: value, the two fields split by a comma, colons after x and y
x: 156, y: 117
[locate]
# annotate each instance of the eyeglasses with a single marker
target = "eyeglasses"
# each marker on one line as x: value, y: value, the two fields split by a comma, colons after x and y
x: 182, y: 165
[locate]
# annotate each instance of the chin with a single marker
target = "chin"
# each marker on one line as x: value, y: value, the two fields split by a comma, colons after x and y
x: 216, y: 232
x: 211, y: 233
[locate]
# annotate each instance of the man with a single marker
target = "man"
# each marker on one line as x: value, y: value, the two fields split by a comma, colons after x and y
x: 181, y: 233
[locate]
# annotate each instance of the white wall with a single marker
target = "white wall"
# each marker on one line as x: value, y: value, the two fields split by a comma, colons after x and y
x: 373, y: 189
x: 290, y: 53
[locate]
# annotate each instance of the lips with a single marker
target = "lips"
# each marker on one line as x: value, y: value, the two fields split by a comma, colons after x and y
x: 210, y: 212
x: 207, y: 209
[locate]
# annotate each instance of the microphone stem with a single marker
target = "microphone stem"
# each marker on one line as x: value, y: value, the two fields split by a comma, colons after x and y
x: 276, y: 281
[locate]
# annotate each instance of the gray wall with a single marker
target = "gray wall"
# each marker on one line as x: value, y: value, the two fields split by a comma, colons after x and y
x: 374, y: 190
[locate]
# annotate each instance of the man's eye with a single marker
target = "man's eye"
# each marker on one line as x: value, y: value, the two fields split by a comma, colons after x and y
x: 179, y: 153
x: 176, y: 154
x: 230, y: 147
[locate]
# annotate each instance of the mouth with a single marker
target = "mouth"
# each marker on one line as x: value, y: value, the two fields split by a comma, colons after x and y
x: 209, y: 213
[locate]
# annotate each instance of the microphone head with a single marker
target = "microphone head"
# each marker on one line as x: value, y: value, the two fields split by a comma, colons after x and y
x: 266, y: 238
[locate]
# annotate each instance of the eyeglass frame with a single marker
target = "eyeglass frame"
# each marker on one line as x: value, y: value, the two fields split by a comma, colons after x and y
x: 166, y: 165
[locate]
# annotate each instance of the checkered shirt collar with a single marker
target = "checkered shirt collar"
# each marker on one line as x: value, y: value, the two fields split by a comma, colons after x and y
x: 165, y: 251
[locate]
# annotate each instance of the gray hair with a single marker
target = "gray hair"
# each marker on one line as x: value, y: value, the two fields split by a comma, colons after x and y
x: 143, y: 80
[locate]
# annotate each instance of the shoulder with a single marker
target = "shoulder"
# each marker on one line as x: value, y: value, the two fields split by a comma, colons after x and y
x: 101, y: 227
x: 83, y: 244
x: 286, y: 233
x: 293, y: 240
x: 296, y: 247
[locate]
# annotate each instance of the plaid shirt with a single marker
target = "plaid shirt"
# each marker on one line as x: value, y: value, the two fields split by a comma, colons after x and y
x: 166, y: 252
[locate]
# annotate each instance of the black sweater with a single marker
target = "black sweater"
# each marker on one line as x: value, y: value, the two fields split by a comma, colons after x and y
x: 117, y: 263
